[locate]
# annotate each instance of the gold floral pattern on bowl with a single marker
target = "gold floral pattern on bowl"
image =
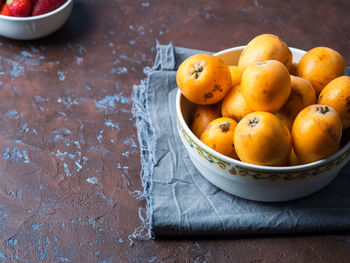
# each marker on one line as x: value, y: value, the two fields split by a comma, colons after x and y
x: 260, y: 174
x: 203, y: 153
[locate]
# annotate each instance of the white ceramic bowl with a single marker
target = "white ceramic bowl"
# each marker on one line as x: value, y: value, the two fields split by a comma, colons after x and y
x: 255, y: 182
x: 32, y: 27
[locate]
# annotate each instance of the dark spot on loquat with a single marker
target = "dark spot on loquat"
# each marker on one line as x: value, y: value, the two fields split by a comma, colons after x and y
x: 208, y: 95
x: 216, y: 87
x: 224, y: 127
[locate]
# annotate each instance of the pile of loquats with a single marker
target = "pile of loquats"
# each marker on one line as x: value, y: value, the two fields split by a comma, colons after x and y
x: 268, y: 110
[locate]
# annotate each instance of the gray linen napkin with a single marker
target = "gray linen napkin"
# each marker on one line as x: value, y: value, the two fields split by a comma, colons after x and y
x: 182, y: 202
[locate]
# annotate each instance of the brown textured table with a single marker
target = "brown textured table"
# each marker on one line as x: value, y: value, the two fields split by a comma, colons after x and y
x: 69, y: 150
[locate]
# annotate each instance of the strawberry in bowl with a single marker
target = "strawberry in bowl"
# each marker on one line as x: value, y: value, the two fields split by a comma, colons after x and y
x: 19, y: 8
x: 45, y: 6
x: 25, y: 8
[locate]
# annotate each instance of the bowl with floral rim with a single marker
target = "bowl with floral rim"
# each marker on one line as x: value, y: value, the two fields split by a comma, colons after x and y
x: 249, y: 181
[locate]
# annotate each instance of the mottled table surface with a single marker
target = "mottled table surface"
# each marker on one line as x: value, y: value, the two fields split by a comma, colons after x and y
x: 69, y: 148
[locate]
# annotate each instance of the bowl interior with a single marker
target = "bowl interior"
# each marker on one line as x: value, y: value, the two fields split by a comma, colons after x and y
x: 231, y: 56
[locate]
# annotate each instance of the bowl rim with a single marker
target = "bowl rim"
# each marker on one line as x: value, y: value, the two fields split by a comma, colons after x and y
x: 32, y: 18
x: 294, y: 168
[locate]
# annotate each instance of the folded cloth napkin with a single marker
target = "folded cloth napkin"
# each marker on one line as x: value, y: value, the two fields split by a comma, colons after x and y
x: 180, y: 201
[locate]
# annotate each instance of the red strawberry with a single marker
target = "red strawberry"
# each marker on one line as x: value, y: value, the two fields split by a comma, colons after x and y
x: 44, y: 6
x: 19, y: 7
x: 4, y: 10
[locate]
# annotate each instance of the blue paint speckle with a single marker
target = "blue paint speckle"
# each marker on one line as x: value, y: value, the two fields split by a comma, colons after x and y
x: 110, y: 101
x: 92, y: 180
x: 112, y: 124
x: 79, y: 60
x: 36, y: 227
x: 61, y: 75
x: 109, y: 260
x: 126, y: 154
x: 13, y: 115
x: 66, y: 170
x: 91, y: 222
x: 61, y: 259
x: 15, y: 155
x: 25, y: 157
x: 40, y: 99
x: 46, y: 205
x: 10, y: 192
x: 12, y: 242
x: 196, y: 245
x: 103, y: 197
x: 55, y: 250
x: 141, y: 30
x: 2, y: 256
x: 24, y: 127
x: 44, y: 244
x: 81, y: 163
x: 60, y: 154
x: 68, y: 102
x: 26, y: 54
x: 16, y: 69
x: 99, y: 136
x: 131, y: 142
x: 19, y: 193
x: 54, y: 238
x: 120, y: 70
x: 63, y: 131
x: 124, y: 167
x: 152, y: 259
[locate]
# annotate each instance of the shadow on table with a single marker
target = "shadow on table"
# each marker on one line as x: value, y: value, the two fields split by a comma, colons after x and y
x: 341, y: 235
x: 78, y: 25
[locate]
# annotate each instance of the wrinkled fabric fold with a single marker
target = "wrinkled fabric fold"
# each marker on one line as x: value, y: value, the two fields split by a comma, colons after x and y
x: 180, y: 201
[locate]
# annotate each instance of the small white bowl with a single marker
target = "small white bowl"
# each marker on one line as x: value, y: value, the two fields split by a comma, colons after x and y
x: 33, y: 27
x: 255, y: 182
